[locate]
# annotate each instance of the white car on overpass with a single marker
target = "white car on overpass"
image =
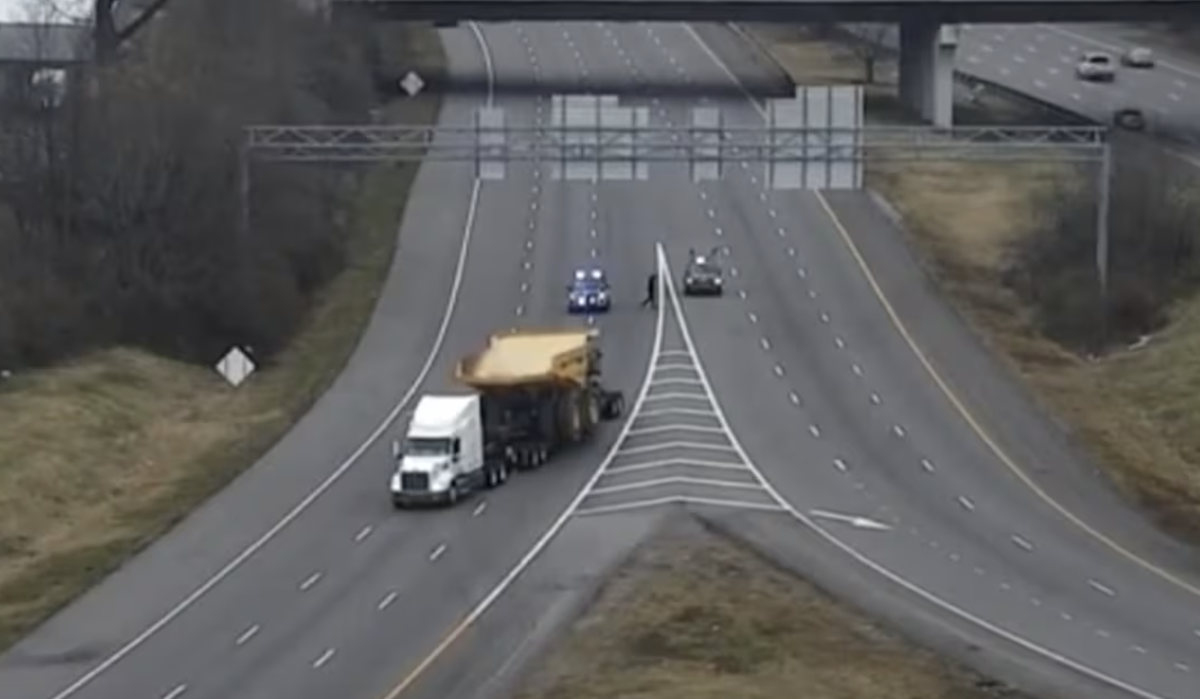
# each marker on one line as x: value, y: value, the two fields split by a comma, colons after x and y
x: 1097, y: 66
x: 1138, y: 57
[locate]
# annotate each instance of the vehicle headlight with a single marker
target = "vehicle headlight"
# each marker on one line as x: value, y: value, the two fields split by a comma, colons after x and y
x: 687, y: 280
x: 719, y: 281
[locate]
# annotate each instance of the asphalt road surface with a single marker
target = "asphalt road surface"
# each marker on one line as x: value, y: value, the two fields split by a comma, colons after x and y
x: 810, y: 396
x: 1010, y: 542
x: 1040, y: 60
x: 349, y: 591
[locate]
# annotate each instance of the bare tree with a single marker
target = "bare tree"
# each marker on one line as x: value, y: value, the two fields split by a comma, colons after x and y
x: 1153, y: 237
x: 109, y: 33
x: 117, y: 205
x: 869, y: 44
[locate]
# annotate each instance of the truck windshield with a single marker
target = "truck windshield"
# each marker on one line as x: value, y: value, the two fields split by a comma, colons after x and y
x: 427, y: 446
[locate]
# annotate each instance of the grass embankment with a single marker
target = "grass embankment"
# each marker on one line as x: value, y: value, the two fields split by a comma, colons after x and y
x: 693, y: 615
x: 1138, y: 412
x: 100, y: 457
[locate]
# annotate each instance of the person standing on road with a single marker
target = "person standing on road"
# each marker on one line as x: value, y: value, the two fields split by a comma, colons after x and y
x: 651, y: 288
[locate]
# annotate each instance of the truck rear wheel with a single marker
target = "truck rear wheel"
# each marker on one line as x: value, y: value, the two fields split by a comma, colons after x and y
x: 614, y: 405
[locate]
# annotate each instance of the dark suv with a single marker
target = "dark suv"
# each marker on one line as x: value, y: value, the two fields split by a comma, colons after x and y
x: 703, y: 275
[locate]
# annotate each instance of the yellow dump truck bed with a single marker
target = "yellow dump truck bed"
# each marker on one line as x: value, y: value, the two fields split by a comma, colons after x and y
x: 529, y: 356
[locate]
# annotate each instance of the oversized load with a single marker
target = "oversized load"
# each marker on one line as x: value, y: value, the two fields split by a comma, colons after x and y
x: 521, y: 357
x: 541, y: 390
x: 534, y: 392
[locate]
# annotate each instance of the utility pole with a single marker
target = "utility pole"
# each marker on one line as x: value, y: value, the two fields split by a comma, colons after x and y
x: 243, y: 191
x: 1103, y: 253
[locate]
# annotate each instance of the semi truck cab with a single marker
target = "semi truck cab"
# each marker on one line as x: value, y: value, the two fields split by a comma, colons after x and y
x: 441, y: 457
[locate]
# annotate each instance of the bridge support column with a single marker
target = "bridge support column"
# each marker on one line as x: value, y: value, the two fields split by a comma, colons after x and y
x: 927, y: 69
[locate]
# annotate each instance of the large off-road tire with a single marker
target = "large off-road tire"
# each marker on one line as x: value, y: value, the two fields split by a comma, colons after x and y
x: 590, y: 409
x: 570, y: 417
x: 613, y: 406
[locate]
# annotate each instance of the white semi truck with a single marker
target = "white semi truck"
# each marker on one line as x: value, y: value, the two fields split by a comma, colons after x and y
x: 442, y: 455
x: 534, y: 392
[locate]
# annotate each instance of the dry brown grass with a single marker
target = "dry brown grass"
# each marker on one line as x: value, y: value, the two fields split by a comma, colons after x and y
x: 1137, y: 412
x: 100, y: 457
x: 820, y: 62
x: 695, y: 616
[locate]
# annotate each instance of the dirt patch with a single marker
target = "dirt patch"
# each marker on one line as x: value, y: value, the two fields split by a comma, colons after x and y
x: 1137, y: 412
x: 694, y: 615
x: 100, y: 457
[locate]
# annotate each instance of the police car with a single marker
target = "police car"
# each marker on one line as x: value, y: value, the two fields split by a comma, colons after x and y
x: 588, y: 292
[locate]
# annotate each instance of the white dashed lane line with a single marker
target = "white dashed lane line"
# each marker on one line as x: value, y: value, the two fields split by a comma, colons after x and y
x: 323, y: 659
x: 245, y: 636
x: 387, y: 600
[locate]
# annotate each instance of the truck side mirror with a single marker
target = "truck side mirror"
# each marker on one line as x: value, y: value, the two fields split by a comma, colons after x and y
x: 395, y: 449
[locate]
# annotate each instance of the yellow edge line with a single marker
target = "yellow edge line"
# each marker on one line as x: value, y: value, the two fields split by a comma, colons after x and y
x: 463, y: 624
x: 975, y: 424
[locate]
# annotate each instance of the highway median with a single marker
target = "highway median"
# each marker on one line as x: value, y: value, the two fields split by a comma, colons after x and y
x: 108, y: 442
x: 696, y: 613
x: 1012, y: 246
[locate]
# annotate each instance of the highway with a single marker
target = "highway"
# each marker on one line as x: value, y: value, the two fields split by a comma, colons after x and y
x: 1040, y: 60
x: 838, y: 413
x: 349, y: 591
x: 819, y: 402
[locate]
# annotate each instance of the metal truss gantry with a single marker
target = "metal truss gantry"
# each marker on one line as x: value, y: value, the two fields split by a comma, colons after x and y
x: 804, y: 143
x: 817, y: 140
x: 488, y: 144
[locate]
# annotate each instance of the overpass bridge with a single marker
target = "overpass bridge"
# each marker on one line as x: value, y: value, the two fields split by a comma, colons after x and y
x: 783, y: 11
x: 928, y: 29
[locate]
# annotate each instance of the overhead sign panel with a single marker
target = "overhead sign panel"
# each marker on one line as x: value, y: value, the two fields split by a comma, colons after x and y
x: 707, y: 132
x: 492, y: 147
x: 597, y: 138
x: 814, y: 140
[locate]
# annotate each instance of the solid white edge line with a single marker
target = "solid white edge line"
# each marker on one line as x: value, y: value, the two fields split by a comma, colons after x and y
x: 849, y: 550
x: 323, y: 487
x: 488, y: 67
x: 569, y: 511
